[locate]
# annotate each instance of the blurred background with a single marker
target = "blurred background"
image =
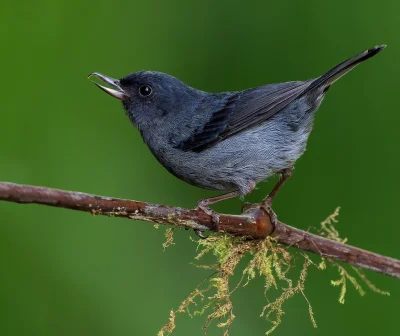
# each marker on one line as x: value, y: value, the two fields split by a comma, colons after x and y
x: 69, y: 273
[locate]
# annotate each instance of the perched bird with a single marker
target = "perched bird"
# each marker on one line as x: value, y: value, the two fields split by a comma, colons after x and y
x: 225, y: 141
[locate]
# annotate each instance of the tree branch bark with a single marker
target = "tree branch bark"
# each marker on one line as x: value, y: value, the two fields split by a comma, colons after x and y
x: 254, y: 223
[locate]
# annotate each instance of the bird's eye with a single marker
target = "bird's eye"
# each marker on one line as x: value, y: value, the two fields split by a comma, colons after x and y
x: 145, y: 90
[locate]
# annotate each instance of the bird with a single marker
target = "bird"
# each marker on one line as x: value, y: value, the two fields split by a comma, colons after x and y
x: 225, y: 141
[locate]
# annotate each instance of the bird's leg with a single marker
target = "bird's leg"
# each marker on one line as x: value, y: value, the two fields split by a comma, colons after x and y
x: 267, y: 202
x: 204, y: 206
x: 285, y: 174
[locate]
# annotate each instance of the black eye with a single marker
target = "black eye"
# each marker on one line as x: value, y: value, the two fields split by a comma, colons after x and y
x: 145, y: 90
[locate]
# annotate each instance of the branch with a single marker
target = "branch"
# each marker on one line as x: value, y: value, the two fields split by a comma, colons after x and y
x: 253, y: 223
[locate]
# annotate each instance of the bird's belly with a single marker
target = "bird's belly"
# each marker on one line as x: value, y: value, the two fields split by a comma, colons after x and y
x: 240, y: 161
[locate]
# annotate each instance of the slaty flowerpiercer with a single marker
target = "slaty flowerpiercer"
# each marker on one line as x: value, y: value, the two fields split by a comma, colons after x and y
x: 226, y: 141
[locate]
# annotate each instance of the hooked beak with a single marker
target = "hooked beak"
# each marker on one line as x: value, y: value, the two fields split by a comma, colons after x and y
x: 118, y: 93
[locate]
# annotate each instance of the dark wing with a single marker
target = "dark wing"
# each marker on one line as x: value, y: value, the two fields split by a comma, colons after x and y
x: 207, y: 135
x: 243, y: 110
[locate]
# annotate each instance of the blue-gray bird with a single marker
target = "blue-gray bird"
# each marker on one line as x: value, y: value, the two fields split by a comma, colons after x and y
x: 225, y: 141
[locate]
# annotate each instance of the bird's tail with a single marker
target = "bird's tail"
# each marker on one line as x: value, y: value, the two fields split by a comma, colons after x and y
x: 326, y: 80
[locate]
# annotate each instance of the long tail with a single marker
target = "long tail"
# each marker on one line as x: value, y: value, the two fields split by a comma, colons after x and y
x: 326, y: 80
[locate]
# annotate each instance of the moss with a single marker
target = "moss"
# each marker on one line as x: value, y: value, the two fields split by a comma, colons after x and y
x: 169, y: 238
x: 329, y: 231
x: 269, y: 260
x: 213, y: 296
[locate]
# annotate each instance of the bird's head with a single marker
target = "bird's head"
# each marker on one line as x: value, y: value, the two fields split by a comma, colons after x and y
x: 148, y: 97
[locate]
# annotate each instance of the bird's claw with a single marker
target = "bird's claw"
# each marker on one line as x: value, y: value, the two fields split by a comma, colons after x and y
x: 266, y: 205
x: 203, y: 206
x: 199, y: 234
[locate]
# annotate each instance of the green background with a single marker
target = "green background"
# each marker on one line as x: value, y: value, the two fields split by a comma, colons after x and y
x: 68, y: 273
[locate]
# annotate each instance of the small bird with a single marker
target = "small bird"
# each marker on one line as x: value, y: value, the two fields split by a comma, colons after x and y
x: 227, y: 141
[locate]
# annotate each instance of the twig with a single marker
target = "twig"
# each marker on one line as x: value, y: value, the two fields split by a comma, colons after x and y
x: 253, y: 223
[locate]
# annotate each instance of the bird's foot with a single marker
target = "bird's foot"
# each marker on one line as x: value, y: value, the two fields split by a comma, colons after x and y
x: 203, y: 205
x: 267, y: 207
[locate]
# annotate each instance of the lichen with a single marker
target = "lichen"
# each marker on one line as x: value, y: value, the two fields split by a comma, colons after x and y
x: 329, y: 231
x: 268, y: 259
x: 213, y: 295
x: 169, y: 237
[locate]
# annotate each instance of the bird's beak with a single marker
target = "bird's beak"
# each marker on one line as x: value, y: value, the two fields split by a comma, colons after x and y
x: 118, y: 93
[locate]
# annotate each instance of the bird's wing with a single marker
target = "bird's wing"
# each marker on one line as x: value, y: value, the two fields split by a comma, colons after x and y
x: 242, y: 111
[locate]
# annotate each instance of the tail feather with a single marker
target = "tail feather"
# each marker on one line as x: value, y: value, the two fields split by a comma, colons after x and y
x: 326, y: 80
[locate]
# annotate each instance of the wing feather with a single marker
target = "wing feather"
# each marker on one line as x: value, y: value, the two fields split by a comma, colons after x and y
x: 243, y: 110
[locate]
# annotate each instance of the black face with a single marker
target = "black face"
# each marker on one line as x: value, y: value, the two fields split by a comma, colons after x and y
x: 151, y: 95
x: 148, y: 96
x: 141, y: 85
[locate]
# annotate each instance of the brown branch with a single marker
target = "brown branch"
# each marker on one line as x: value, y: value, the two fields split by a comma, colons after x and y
x: 253, y: 223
